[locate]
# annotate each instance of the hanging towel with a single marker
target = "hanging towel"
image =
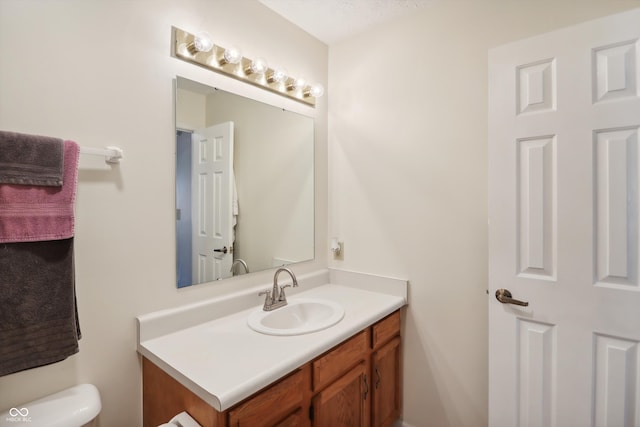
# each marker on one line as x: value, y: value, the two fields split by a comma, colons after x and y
x: 30, y: 159
x: 234, y: 197
x: 234, y: 207
x: 38, y: 316
x: 36, y: 213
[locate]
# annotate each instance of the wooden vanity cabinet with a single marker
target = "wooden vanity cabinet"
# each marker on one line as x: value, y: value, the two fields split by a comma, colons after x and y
x: 385, y: 381
x: 386, y: 371
x: 358, y: 383
x: 344, y: 403
x: 275, y: 406
x: 355, y: 384
x: 163, y: 397
x: 340, y: 385
x: 331, y: 365
x: 294, y: 420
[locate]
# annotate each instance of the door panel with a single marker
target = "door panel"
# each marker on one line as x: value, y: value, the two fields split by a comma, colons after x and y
x: 212, y: 189
x: 537, y: 207
x: 616, y: 206
x: 536, y: 349
x: 616, y: 382
x: 564, y: 114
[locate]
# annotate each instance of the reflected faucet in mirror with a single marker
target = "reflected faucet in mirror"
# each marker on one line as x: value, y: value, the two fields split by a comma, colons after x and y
x: 244, y: 182
x: 242, y: 263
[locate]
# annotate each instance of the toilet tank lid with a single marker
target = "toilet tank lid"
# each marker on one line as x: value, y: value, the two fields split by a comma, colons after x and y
x: 74, y: 406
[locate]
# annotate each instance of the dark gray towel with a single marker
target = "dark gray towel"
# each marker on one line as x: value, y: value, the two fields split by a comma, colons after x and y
x: 38, y: 315
x: 30, y: 159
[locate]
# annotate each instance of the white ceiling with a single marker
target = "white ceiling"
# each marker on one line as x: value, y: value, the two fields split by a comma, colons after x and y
x: 334, y: 20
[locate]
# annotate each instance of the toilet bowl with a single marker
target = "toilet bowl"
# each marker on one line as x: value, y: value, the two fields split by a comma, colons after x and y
x: 74, y: 407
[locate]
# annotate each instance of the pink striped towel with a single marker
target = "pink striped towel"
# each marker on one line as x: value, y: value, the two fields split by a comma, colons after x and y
x: 37, y: 213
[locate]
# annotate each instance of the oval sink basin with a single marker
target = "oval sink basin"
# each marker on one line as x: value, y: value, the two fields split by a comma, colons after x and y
x: 299, y: 316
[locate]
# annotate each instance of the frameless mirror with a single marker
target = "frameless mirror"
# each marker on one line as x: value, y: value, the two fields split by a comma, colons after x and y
x: 244, y: 185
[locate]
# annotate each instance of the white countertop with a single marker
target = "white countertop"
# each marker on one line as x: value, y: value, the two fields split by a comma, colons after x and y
x: 223, y: 361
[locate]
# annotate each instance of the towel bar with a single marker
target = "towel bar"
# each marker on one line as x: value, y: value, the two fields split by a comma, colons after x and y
x: 112, y: 154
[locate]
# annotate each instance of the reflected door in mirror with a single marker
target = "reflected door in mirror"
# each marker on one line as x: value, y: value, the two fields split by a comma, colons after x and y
x: 205, y: 197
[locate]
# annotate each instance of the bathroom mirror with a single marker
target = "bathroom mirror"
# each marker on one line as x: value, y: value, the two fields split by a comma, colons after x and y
x: 244, y: 185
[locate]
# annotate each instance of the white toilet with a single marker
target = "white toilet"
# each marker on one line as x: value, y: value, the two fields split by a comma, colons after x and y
x: 77, y: 406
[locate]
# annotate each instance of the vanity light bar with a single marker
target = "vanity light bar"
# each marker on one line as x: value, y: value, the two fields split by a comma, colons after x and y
x: 200, y: 50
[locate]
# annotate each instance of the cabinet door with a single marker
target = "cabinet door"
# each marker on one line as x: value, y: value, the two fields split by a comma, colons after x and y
x: 345, y: 402
x: 271, y: 404
x: 386, y: 376
x: 293, y: 420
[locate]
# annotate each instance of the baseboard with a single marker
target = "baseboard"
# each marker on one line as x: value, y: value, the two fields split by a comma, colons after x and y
x: 400, y: 423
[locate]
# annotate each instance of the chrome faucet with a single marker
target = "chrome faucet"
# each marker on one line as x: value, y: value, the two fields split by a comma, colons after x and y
x: 240, y: 261
x: 275, y: 297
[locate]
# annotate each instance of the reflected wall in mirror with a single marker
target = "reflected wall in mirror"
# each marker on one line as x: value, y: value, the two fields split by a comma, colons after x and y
x: 244, y: 185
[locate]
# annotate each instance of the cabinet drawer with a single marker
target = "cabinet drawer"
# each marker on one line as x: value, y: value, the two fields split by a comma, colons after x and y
x: 385, y: 329
x: 339, y: 360
x: 271, y: 404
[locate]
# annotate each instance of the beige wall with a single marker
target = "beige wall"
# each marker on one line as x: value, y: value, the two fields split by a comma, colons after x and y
x: 408, y: 181
x: 100, y: 73
x: 191, y: 110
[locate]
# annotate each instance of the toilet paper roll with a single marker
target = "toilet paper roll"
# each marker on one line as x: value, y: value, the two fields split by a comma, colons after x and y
x: 181, y: 420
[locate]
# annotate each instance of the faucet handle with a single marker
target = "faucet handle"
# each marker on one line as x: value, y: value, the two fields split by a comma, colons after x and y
x: 268, y: 302
x: 283, y: 297
x: 266, y: 292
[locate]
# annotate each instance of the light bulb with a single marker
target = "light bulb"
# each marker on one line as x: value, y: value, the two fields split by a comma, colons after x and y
x: 258, y: 66
x: 278, y: 75
x: 232, y: 55
x: 297, y: 83
x: 316, y: 90
x: 202, y: 42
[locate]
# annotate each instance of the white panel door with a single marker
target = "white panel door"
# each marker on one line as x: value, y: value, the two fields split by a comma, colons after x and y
x: 564, y: 117
x: 212, y: 195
